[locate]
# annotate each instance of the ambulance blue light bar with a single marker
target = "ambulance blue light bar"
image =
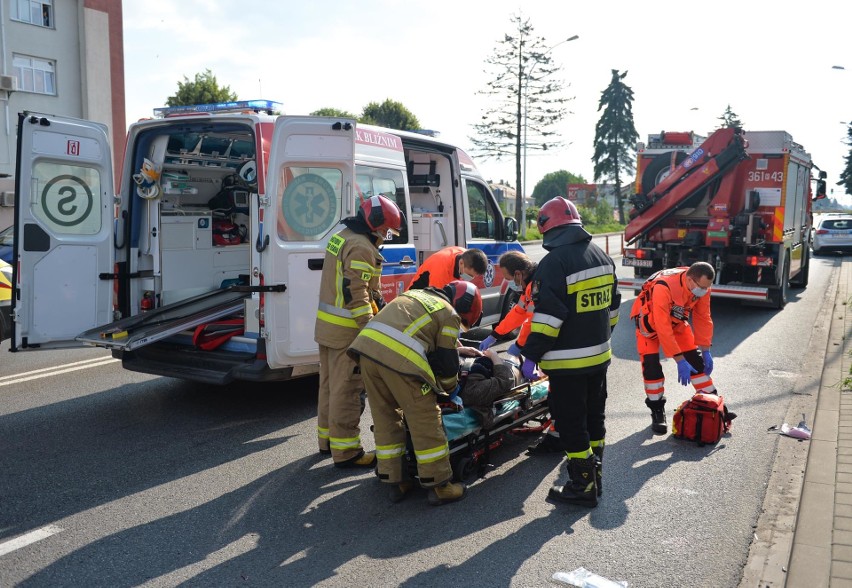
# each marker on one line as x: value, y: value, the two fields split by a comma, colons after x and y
x: 236, y: 105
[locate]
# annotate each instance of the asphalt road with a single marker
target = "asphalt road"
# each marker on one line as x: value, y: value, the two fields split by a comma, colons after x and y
x: 111, y: 478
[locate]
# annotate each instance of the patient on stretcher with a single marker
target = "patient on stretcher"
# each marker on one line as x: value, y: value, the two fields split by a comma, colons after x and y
x: 486, y: 379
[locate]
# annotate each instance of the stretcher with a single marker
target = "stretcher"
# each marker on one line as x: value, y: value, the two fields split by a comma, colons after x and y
x: 523, y: 410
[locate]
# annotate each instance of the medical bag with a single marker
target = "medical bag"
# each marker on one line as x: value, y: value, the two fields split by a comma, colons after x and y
x: 703, y: 419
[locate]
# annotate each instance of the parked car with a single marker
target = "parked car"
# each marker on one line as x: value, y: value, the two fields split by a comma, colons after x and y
x: 5, y: 300
x: 6, y: 236
x: 832, y: 233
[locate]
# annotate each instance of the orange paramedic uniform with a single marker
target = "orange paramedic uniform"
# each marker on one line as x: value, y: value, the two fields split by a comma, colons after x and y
x: 519, y: 316
x: 439, y: 269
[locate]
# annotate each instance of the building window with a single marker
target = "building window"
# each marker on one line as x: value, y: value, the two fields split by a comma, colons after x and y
x: 37, y: 12
x: 34, y: 74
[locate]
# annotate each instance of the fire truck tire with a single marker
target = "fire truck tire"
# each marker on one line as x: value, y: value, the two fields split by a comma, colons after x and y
x: 658, y: 169
x: 801, y: 280
x: 778, y: 295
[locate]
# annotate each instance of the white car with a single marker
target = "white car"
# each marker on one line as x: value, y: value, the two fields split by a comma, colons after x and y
x: 832, y: 232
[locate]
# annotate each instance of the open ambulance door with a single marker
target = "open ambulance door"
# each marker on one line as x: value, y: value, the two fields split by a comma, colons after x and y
x: 63, y: 231
x: 309, y: 188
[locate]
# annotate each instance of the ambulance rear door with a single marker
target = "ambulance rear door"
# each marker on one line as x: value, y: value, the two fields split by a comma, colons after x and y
x: 310, y: 187
x: 63, y: 231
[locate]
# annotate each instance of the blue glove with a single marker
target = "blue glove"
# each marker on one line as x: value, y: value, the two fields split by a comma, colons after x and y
x: 684, y: 370
x: 487, y: 342
x: 514, y: 350
x: 528, y: 369
x: 454, y: 396
x: 708, y: 362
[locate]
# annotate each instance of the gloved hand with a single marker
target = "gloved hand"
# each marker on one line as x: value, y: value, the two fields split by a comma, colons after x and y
x: 514, y: 350
x: 454, y: 396
x: 487, y: 342
x: 528, y: 369
x: 684, y: 370
x: 708, y: 362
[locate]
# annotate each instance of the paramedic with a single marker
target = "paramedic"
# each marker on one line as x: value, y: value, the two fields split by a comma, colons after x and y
x: 408, y: 355
x: 576, y: 306
x: 486, y: 379
x: 670, y: 300
x: 448, y: 264
x: 349, y: 297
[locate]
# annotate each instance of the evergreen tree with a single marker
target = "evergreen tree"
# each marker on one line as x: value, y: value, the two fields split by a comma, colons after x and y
x: 554, y: 184
x: 204, y: 89
x: 390, y: 114
x: 729, y: 118
x: 615, y: 136
x: 527, y: 101
x: 846, y: 174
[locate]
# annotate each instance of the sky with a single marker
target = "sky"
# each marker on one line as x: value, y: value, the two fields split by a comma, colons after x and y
x: 775, y: 63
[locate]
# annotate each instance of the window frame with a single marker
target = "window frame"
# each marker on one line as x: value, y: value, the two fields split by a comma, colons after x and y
x: 45, y: 7
x: 21, y: 71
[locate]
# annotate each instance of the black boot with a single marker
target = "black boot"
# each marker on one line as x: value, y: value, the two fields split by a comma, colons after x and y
x: 658, y: 415
x: 598, y: 451
x: 581, y: 489
x: 546, y: 444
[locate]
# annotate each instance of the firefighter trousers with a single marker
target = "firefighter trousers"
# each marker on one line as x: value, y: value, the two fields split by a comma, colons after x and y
x: 577, y: 404
x: 339, y: 405
x: 391, y: 396
x: 652, y: 370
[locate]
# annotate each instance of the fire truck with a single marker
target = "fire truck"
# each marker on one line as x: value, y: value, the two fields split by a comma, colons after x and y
x: 740, y: 201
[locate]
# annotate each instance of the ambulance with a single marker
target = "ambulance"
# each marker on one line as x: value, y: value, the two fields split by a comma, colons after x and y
x: 204, y: 262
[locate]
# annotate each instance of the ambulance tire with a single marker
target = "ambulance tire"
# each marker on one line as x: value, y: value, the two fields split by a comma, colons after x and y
x: 801, y: 280
x: 658, y: 170
x: 778, y: 295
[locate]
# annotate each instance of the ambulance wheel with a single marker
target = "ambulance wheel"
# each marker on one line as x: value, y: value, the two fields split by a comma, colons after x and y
x: 659, y: 169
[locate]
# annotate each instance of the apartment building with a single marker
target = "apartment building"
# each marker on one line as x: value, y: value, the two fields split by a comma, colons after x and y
x: 61, y: 57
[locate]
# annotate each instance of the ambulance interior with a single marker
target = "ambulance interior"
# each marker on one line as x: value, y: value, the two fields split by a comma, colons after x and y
x: 432, y: 203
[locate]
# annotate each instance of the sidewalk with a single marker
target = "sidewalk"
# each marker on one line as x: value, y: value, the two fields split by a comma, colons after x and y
x: 821, y: 553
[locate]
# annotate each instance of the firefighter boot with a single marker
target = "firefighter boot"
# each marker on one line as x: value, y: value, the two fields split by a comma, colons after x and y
x: 446, y: 492
x: 598, y: 451
x: 581, y: 489
x: 658, y: 415
x: 362, y: 460
x: 398, y: 492
x: 546, y: 444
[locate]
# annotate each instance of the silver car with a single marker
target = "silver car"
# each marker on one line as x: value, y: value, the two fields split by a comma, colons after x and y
x: 833, y: 233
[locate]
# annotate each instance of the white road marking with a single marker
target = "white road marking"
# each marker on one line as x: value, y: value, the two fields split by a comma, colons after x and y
x: 29, y: 539
x: 55, y: 370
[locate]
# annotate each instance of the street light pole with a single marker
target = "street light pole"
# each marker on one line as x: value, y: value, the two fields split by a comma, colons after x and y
x: 526, y: 124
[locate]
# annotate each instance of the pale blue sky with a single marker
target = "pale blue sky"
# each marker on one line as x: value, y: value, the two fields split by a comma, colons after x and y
x: 771, y: 61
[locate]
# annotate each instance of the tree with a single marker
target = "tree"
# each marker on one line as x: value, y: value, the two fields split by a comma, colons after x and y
x: 554, y: 184
x: 204, y: 89
x: 390, y: 114
x: 335, y: 112
x: 615, y: 135
x: 729, y: 118
x: 527, y: 101
x: 846, y: 174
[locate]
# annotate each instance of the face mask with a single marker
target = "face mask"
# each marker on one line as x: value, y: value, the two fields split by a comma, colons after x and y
x: 698, y: 292
x: 513, y: 285
x: 466, y: 277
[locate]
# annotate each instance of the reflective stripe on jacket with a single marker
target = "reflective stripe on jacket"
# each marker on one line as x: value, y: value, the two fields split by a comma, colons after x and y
x: 415, y: 334
x: 666, y: 306
x: 351, y: 272
x: 576, y: 306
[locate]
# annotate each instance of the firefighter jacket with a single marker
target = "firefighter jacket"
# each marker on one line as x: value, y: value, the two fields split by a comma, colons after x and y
x: 518, y: 317
x: 415, y: 334
x: 666, y: 306
x: 439, y: 269
x: 576, y: 305
x: 350, y: 282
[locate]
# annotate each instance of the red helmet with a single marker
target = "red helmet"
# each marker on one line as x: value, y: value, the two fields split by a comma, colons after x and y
x: 557, y: 212
x: 382, y: 215
x: 466, y: 300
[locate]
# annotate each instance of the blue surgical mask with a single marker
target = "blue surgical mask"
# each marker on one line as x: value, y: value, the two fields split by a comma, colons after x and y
x: 698, y: 292
x: 466, y: 277
x: 513, y: 285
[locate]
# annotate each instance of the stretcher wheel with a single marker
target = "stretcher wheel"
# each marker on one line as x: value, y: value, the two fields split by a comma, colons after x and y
x: 465, y: 468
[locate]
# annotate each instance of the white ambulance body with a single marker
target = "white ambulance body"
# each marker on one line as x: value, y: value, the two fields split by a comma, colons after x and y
x: 230, y: 240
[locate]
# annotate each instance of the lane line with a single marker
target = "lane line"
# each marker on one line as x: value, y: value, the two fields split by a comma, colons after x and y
x: 56, y: 371
x: 29, y: 539
x: 55, y: 367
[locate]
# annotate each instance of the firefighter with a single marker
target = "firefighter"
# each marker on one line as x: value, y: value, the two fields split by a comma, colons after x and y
x: 672, y: 312
x: 349, y: 297
x: 448, y: 264
x: 408, y: 355
x: 576, y: 307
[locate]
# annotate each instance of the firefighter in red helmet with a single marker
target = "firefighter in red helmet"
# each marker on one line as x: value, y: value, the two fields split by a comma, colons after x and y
x: 349, y: 297
x: 576, y: 306
x: 409, y: 355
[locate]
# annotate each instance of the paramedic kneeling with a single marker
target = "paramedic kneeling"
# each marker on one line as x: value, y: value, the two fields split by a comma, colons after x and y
x: 348, y: 297
x: 670, y: 300
x: 576, y: 307
x: 408, y: 354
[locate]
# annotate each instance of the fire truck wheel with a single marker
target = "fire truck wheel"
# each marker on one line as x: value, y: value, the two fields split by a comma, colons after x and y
x: 659, y: 169
x: 778, y: 296
x: 801, y: 280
